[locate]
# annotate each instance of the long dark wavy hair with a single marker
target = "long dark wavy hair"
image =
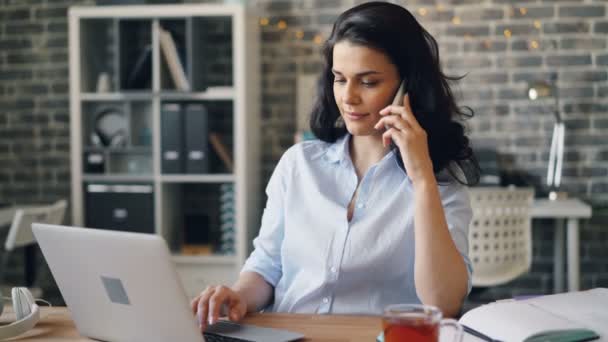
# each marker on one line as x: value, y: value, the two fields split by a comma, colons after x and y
x: 393, y: 30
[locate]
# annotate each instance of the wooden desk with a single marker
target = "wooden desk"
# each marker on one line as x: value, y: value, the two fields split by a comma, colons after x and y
x: 56, y: 324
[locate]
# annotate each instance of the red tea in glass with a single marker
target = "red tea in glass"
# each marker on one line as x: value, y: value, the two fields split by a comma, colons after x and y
x: 415, y: 322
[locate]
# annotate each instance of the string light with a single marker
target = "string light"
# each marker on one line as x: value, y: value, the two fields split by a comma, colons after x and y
x: 423, y: 11
x: 534, y: 44
x: 291, y: 33
x: 523, y: 10
x: 537, y: 24
x: 318, y: 39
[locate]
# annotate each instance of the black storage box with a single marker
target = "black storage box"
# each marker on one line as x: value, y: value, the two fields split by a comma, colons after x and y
x: 126, y: 207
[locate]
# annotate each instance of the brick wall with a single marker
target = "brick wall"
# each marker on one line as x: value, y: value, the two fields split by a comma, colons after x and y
x: 545, y: 37
x: 34, y: 111
x: 34, y: 114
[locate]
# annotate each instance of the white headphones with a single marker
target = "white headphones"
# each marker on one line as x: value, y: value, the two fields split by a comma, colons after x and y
x: 26, y: 310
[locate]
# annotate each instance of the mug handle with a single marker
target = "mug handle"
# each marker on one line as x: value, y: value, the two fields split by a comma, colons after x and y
x: 454, y: 324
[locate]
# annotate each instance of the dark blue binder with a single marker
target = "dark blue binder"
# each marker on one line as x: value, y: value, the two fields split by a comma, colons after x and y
x: 171, y: 138
x: 196, y: 138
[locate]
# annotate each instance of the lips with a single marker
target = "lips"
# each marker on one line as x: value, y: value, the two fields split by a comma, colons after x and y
x: 355, y: 116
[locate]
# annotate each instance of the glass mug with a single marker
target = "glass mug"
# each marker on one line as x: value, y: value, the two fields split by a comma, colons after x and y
x: 415, y: 322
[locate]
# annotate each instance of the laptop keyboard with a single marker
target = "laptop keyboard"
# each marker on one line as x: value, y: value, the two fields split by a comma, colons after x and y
x: 211, y: 337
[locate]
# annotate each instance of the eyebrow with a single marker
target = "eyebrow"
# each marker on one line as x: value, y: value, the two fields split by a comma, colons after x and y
x: 360, y: 74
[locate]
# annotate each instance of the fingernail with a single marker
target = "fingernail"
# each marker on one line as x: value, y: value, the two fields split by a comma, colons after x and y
x: 210, y: 320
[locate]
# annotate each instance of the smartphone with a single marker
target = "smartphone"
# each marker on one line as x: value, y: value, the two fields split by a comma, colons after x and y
x: 398, y: 100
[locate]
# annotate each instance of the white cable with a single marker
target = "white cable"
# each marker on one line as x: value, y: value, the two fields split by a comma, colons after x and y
x: 44, y: 301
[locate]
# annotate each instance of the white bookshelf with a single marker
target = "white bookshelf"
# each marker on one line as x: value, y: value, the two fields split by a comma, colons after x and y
x: 101, y: 39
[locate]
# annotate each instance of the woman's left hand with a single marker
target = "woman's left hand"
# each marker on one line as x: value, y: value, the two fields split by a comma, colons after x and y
x: 410, y: 138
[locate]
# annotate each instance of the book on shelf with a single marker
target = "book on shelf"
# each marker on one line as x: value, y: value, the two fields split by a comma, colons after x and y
x: 222, y: 151
x: 175, y: 65
x: 572, y: 316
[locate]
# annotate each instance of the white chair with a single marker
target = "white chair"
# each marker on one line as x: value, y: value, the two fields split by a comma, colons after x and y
x: 500, y: 237
x: 20, y: 233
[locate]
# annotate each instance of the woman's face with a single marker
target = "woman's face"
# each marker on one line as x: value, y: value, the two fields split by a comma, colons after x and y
x: 365, y: 81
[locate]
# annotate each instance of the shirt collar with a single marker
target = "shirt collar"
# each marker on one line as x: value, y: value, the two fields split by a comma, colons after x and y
x: 338, y: 150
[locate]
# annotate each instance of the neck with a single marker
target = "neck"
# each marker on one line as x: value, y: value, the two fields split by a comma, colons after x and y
x: 366, y: 151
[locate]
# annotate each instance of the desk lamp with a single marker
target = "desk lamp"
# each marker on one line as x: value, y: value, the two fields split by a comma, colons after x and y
x: 541, y: 90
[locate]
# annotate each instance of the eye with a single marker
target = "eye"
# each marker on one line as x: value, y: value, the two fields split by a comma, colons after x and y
x: 369, y: 84
x: 339, y: 80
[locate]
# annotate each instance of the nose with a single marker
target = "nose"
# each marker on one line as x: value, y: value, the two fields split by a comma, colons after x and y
x: 350, y: 95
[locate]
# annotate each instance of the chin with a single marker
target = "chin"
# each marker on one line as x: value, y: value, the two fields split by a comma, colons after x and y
x: 360, y: 131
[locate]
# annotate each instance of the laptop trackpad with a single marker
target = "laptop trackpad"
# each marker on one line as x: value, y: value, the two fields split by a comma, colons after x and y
x: 252, y: 332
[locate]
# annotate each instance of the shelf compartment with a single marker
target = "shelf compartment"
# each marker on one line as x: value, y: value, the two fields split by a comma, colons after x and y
x: 117, y: 137
x: 135, y: 60
x: 174, y: 59
x: 99, y: 55
x: 200, y: 219
x: 211, y: 37
x: 197, y: 137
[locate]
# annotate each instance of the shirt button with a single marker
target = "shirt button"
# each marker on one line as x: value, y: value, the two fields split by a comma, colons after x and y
x: 333, y: 270
x: 325, y: 300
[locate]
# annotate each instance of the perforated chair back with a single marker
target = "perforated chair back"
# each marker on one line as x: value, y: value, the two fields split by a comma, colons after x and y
x: 500, y: 237
x: 20, y: 233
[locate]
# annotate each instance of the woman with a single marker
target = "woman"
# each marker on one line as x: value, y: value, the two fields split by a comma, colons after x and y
x: 372, y: 213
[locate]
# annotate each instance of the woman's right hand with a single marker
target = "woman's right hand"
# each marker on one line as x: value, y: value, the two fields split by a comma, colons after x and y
x: 208, y: 304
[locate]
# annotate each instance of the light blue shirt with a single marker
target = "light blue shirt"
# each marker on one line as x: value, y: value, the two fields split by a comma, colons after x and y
x: 318, y: 261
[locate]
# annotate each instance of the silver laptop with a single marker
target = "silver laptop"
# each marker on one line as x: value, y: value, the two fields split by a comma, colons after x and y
x: 122, y: 286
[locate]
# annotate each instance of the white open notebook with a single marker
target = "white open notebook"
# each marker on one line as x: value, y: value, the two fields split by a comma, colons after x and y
x: 519, y: 320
